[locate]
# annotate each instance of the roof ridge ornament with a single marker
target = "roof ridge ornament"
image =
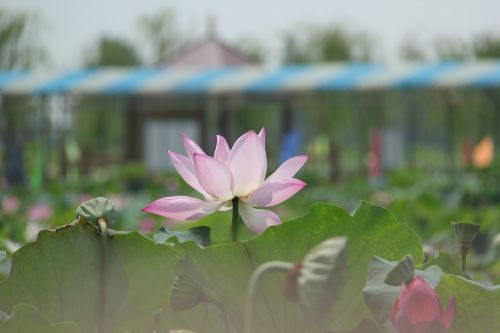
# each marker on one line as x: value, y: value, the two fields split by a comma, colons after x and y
x: 212, y: 27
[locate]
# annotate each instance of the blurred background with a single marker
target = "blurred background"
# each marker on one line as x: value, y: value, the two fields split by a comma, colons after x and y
x: 395, y: 102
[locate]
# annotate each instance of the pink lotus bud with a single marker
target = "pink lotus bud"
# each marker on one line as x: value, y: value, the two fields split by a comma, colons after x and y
x: 10, y: 204
x: 374, y: 161
x: 418, y: 310
x: 39, y: 212
x: 290, y: 288
x: 120, y: 201
x: 147, y: 225
x: 83, y: 197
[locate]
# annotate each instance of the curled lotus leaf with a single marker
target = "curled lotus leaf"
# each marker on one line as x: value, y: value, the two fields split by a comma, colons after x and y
x: 319, y: 281
x: 95, y: 209
x: 185, y: 294
x: 189, y: 287
x: 403, y: 272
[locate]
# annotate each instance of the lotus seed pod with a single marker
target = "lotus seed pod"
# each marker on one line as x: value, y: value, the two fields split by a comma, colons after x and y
x: 466, y: 232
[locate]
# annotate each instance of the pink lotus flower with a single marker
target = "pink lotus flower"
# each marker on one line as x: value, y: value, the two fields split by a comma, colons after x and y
x: 147, y: 226
x: 418, y: 310
x: 83, y: 197
x: 39, y: 212
x: 10, y: 204
x: 231, y: 174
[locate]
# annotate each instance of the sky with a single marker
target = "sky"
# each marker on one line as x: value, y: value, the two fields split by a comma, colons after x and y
x: 69, y: 27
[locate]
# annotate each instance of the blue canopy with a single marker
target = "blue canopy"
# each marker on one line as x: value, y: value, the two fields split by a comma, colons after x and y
x: 251, y: 80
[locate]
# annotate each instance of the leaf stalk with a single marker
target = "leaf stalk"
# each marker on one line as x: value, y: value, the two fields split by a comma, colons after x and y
x: 254, y: 286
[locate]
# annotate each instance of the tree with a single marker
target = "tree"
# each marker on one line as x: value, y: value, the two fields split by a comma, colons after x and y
x: 334, y: 44
x: 486, y: 45
x: 363, y: 47
x: 94, y: 113
x: 19, y: 45
x: 451, y: 48
x: 161, y: 35
x: 112, y: 51
x: 330, y: 43
x: 252, y: 48
x: 411, y: 50
x: 295, y: 50
x: 19, y: 48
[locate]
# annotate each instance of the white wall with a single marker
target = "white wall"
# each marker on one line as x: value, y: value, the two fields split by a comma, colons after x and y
x: 163, y: 135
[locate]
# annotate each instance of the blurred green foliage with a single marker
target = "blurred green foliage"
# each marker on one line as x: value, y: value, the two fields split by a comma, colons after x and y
x: 487, y: 46
x: 312, y: 43
x: 112, y: 51
x: 425, y: 202
x: 19, y: 41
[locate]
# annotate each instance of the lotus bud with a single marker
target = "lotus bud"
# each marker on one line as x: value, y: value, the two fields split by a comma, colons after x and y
x: 290, y: 288
x: 418, y: 310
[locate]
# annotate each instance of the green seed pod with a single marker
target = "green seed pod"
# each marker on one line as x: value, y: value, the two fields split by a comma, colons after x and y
x: 466, y: 232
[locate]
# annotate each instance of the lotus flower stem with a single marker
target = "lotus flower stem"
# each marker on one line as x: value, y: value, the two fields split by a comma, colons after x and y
x: 103, y: 229
x: 254, y: 285
x: 204, y: 320
x: 235, y: 221
x: 223, y: 310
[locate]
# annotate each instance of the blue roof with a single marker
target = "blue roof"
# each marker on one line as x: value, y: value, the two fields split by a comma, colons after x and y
x: 251, y: 79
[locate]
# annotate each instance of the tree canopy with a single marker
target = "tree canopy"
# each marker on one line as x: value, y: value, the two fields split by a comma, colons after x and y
x: 112, y: 51
x: 19, y: 46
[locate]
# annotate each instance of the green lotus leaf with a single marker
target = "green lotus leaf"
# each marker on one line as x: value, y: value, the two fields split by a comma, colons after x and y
x: 200, y: 235
x: 371, y: 230
x: 478, y: 305
x: 27, y: 318
x: 66, y: 275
